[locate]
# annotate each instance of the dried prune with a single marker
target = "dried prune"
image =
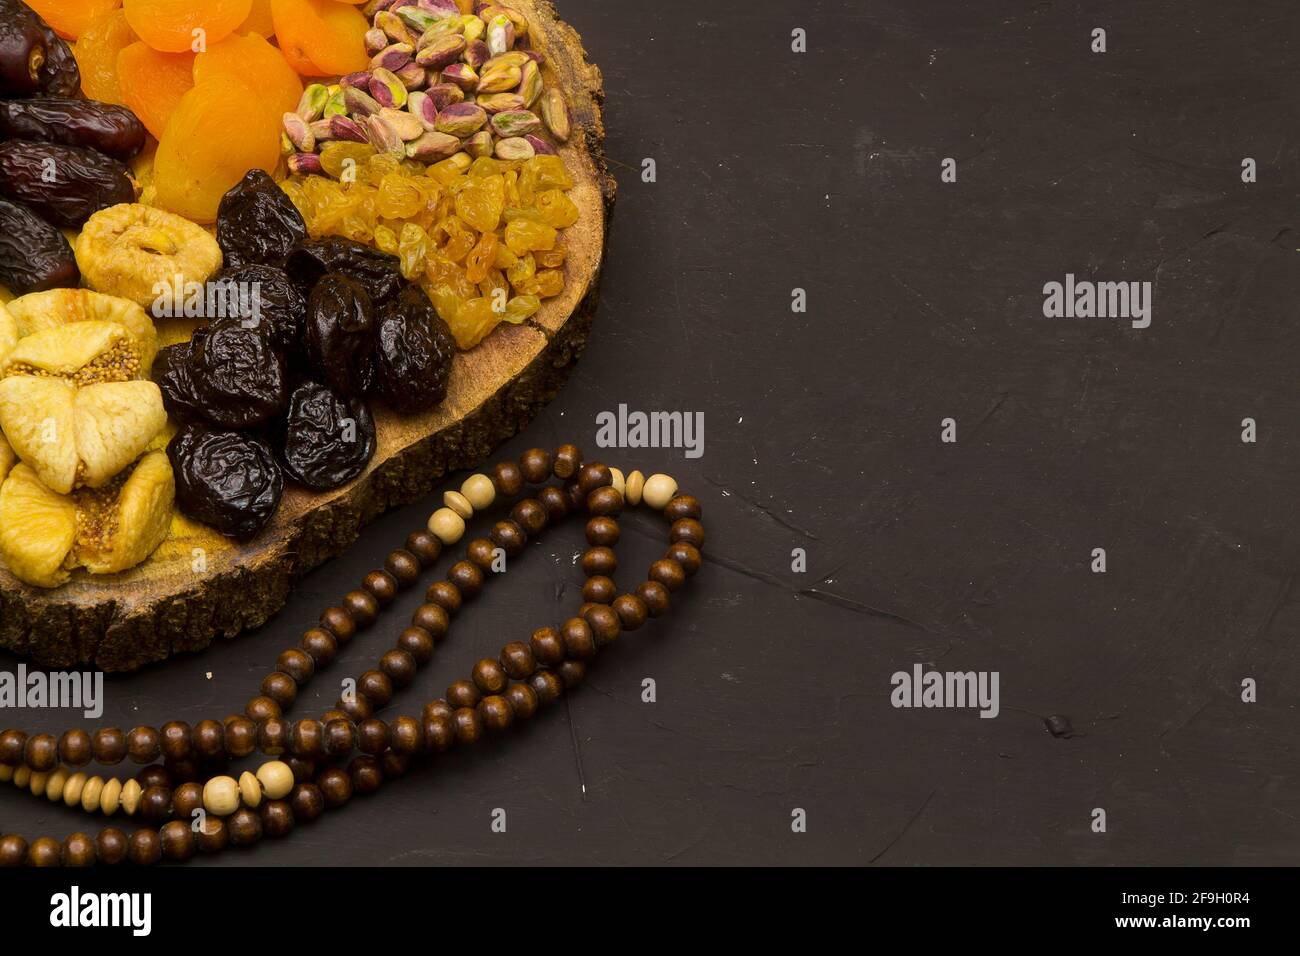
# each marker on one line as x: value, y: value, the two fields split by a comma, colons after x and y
x: 173, y: 371
x: 274, y: 300
x: 22, y: 50
x: 328, y: 438
x: 112, y: 130
x: 239, y: 375
x: 413, y: 353
x: 341, y: 334
x: 34, y: 256
x: 227, y: 480
x: 378, y: 272
x: 256, y: 222
x: 63, y: 184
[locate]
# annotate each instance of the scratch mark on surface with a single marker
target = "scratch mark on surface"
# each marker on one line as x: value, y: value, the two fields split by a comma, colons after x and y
x: 907, y: 826
x: 763, y: 509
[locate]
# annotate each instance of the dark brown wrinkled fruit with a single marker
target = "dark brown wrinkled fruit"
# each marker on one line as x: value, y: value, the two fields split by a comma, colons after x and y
x: 256, y: 222
x: 173, y: 371
x: 34, y: 256
x: 112, y: 130
x: 22, y: 50
x: 341, y: 334
x: 60, y: 75
x: 378, y: 272
x: 239, y: 375
x: 413, y: 354
x: 63, y: 184
x: 279, y: 304
x: 227, y: 480
x: 328, y: 439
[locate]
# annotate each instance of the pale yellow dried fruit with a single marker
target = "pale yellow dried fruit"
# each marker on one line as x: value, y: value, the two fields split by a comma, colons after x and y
x: 38, y: 311
x: 8, y: 331
x: 83, y: 354
x: 132, y: 250
x: 37, y: 529
x: 7, y: 458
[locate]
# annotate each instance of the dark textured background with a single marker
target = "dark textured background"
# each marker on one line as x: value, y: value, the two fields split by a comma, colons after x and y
x: 821, y: 171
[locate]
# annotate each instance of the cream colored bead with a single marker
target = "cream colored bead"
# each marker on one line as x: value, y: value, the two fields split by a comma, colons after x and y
x: 37, y: 784
x: 131, y: 791
x: 6, y: 773
x: 276, y: 778
x: 459, y: 504
x: 479, y: 491
x: 447, y: 526
x: 22, y: 777
x: 54, y: 786
x: 221, y: 796
x: 619, y: 483
x: 72, y: 789
x: 250, y: 790
x: 91, y: 793
x: 111, y: 796
x: 658, y: 491
x: 635, y: 485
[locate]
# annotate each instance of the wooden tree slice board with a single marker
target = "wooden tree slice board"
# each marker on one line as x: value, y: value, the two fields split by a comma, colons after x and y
x: 198, y: 585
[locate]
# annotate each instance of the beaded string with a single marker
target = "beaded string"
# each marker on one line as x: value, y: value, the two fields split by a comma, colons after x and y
x: 285, y: 791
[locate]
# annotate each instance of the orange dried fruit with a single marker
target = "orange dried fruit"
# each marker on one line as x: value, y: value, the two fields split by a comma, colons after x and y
x: 153, y: 83
x: 321, y: 37
x: 71, y: 18
x: 254, y: 62
x: 259, y: 20
x: 220, y: 130
x: 96, y: 51
x: 170, y: 25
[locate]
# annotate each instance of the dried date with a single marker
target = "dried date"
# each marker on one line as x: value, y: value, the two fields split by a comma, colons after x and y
x: 63, y: 184
x: 34, y: 256
x: 112, y: 130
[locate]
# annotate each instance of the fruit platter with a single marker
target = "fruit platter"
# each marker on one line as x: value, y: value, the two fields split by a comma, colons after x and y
x: 268, y: 268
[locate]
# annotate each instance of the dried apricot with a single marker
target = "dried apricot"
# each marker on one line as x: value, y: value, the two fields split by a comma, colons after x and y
x: 259, y: 20
x: 321, y: 37
x: 96, y: 51
x: 173, y: 26
x: 70, y: 18
x: 153, y: 83
x: 254, y: 62
x: 200, y: 156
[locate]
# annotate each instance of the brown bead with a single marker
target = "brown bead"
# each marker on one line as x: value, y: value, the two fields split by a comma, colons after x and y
x: 245, y: 827
x: 599, y: 560
x: 406, y: 736
x: 154, y: 775
x: 365, y: 774
x: 579, y: 641
x: 361, y: 607
x: 12, y: 745
x: 509, y: 537
x: 517, y: 660
x: 187, y: 798
x: 307, y: 802
x: 177, y: 841
x: 599, y: 589
x: 241, y: 736
x: 568, y: 459
x: 668, y: 573
x: 584, y: 607
x: 209, y: 736
x: 572, y: 673
x: 655, y: 597
x: 357, y: 708
x: 297, y: 664
x: 469, y: 725
x: 684, y: 506
x: 490, y: 676
x: 577, y: 500
x: 42, y: 752
x: 183, y: 770
x: 547, y: 645
x: 535, y: 464
x: 446, y: 595
x: 110, y: 846
x: 688, y: 530
x: 307, y: 739
x: 302, y: 768
x: 481, y: 552
x: 425, y: 546
x: 108, y: 746
x: 78, y: 850
x: 320, y: 644
x: 13, y: 851
x: 155, y: 804
x: 432, y: 618
x: 437, y: 708
x: 372, y: 736
x: 340, y: 738
x: 334, y: 714
x: 394, y: 765
x: 686, y: 555
x: 463, y: 693
x: 260, y: 709
x: 529, y: 515
x: 339, y: 623
x: 174, y: 740
x: 467, y: 577
x: 547, y: 686
x: 399, y: 666
x: 507, y: 478
x: 439, y: 734
x: 403, y: 566
x: 142, y: 745
x: 74, y: 748
x: 605, y: 502
x: 213, y: 835
x: 496, y: 713
x: 555, y: 501
x: 417, y: 643
x: 603, y: 531
x: 277, y: 818
x: 273, y: 736
x: 594, y: 475
x: 376, y: 687
x: 45, y: 852
x: 604, y: 623
x: 631, y: 611
x: 381, y: 586
x: 522, y: 699
x: 144, y: 847
x: 280, y: 687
